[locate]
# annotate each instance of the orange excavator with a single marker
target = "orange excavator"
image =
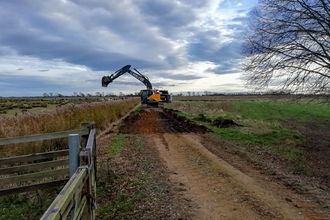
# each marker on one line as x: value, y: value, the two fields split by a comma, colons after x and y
x: 149, y: 97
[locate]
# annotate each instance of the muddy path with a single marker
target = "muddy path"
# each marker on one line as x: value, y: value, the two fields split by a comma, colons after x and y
x: 208, y: 186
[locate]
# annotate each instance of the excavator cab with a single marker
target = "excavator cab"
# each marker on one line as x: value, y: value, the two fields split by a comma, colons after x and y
x: 145, y: 94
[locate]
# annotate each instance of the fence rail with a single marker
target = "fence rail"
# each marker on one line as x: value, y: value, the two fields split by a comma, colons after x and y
x: 33, y: 157
x: 42, y: 137
x: 22, y: 168
x: 78, y: 195
x: 77, y: 198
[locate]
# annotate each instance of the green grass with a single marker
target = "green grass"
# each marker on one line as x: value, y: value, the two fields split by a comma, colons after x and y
x: 281, y: 141
x: 262, y: 123
x: 117, y: 144
x: 270, y: 111
x: 26, y: 206
x: 121, y: 204
x: 139, y: 141
x: 126, y: 189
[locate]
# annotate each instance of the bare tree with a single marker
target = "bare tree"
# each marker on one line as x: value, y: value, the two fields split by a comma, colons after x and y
x: 51, y: 94
x: 288, y: 46
x: 189, y: 93
x: 45, y: 94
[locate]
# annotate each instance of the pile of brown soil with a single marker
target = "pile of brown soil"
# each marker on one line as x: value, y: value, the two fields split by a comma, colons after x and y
x: 155, y: 120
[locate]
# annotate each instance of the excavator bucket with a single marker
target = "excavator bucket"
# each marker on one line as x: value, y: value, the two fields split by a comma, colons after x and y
x: 105, y: 81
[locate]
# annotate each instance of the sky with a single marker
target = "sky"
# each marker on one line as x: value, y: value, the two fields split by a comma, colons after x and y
x: 67, y: 46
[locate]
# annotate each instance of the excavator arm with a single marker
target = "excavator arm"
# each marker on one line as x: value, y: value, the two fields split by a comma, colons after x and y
x: 149, y: 97
x: 126, y: 69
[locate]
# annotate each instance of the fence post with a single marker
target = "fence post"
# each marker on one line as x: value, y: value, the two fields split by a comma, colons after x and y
x: 73, y: 152
x: 84, y: 138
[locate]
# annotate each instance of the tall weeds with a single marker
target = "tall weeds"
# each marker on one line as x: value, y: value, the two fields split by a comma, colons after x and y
x: 67, y: 117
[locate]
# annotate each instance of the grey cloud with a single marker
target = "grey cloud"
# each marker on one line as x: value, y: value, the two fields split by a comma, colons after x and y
x: 240, y: 19
x: 72, y: 52
x: 73, y: 48
x: 180, y: 77
x: 227, y: 56
x: 153, y: 36
x: 43, y: 70
x: 31, y: 84
x: 20, y: 69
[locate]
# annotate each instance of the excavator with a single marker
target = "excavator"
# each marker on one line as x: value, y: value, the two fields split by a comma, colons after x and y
x: 149, y: 97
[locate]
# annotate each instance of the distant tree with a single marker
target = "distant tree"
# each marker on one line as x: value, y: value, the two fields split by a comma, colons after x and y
x: 59, y: 95
x: 121, y: 94
x: 208, y: 93
x: 189, y: 93
x: 193, y: 93
x: 288, y: 46
x: 98, y: 94
x: 45, y: 94
x: 75, y: 94
x: 51, y: 94
x: 81, y: 94
x: 89, y: 95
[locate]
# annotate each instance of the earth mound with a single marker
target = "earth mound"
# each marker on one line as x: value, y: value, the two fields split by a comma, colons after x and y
x: 156, y: 120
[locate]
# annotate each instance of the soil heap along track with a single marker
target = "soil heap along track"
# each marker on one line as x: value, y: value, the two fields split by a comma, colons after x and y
x: 155, y: 120
x: 207, y: 186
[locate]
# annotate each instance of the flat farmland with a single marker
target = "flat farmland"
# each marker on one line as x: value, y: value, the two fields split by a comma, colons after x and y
x: 217, y: 158
x: 15, y: 106
x: 202, y: 158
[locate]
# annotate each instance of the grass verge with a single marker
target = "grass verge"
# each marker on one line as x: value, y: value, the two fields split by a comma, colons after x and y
x: 27, y: 206
x: 263, y: 130
x: 131, y: 183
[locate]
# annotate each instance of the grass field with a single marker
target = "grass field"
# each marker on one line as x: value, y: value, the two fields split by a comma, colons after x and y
x: 267, y: 128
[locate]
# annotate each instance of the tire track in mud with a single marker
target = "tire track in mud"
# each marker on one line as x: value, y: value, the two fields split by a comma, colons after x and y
x: 215, y: 188
x: 207, y: 185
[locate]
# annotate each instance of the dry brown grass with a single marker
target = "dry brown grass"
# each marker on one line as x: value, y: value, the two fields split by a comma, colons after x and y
x: 67, y: 117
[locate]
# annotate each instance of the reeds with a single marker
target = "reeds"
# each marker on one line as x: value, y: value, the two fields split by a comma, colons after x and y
x: 67, y: 117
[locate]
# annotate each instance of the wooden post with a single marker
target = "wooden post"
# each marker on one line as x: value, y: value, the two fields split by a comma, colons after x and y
x: 73, y: 152
x: 84, y: 138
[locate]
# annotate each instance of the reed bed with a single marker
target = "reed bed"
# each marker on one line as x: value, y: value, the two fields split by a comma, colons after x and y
x: 67, y: 117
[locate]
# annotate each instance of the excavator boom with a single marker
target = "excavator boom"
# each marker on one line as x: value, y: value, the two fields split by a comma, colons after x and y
x: 126, y: 69
x: 149, y: 97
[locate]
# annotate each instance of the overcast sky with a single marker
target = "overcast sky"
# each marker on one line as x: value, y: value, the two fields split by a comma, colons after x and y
x: 66, y: 46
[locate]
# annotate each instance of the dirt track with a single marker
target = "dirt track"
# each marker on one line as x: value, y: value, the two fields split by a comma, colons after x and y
x: 209, y: 187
